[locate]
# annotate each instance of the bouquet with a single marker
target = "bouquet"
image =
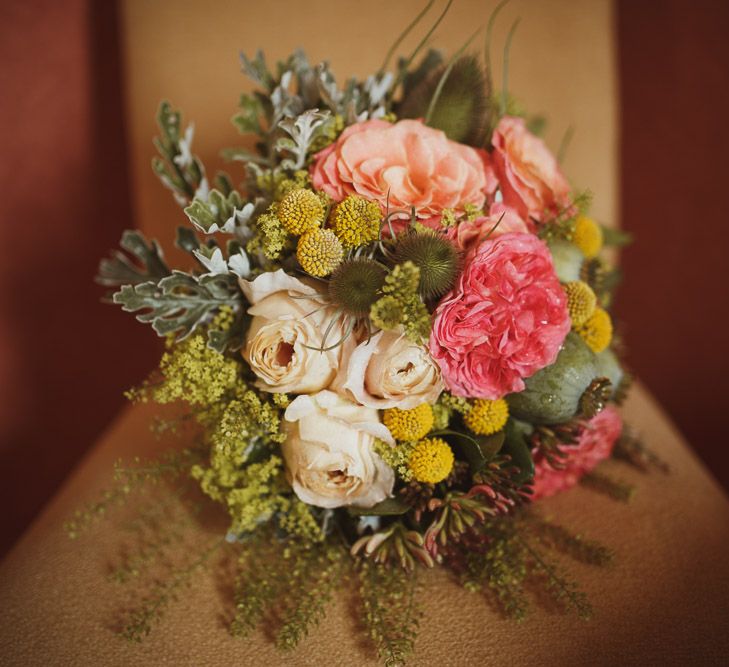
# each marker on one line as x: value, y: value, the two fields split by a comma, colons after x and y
x: 395, y: 339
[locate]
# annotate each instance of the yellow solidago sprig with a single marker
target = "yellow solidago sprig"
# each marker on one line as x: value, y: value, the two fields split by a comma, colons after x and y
x: 581, y: 301
x: 271, y: 237
x: 397, y: 457
x: 319, y: 252
x: 401, y: 305
x: 431, y: 460
x: 192, y: 372
x: 300, y: 211
x: 487, y: 417
x: 407, y: 425
x: 356, y: 221
x: 255, y: 497
x: 587, y: 236
x: 597, y: 330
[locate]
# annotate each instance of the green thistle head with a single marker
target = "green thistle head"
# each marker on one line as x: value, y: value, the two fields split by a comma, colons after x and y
x: 356, y: 285
x: 435, y: 256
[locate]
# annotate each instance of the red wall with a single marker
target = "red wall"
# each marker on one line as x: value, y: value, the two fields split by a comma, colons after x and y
x: 64, y: 358
x: 674, y: 86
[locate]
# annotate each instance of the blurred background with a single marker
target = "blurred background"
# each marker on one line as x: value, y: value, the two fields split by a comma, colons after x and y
x: 643, y: 84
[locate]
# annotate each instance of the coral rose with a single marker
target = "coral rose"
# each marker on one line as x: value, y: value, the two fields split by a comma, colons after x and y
x: 417, y: 165
x: 529, y: 176
x: 505, y: 319
x: 594, y: 445
x: 468, y: 234
x: 329, y: 452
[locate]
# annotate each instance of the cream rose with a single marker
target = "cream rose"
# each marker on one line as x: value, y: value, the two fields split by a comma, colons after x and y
x: 288, y: 321
x: 389, y: 371
x: 329, y: 453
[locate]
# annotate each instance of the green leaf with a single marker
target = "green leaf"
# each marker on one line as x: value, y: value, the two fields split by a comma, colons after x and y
x: 537, y: 125
x: 121, y: 270
x: 478, y: 449
x: 187, y: 239
x: 179, y: 303
x: 616, y: 237
x: 515, y: 445
x: 389, y: 507
x: 231, y: 338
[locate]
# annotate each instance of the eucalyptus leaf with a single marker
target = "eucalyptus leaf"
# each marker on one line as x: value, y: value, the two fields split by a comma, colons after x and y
x: 121, y: 270
x: 179, y: 303
x: 478, y: 449
x: 389, y: 507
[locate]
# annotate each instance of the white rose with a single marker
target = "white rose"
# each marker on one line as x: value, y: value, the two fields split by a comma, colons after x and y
x: 289, y: 319
x: 389, y: 371
x: 329, y: 453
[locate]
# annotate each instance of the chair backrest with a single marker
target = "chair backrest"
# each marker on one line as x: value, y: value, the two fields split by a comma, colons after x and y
x: 562, y: 65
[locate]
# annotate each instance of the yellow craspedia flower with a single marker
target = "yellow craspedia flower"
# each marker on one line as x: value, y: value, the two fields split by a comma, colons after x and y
x: 587, y: 236
x: 486, y: 417
x: 581, y: 301
x: 409, y: 424
x: 431, y: 460
x: 319, y: 252
x: 597, y: 331
x: 300, y: 211
x: 356, y: 221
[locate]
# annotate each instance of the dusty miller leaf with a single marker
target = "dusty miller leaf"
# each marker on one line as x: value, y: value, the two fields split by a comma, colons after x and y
x: 257, y: 70
x: 177, y: 167
x: 121, y: 270
x: 216, y: 214
x: 186, y: 239
x: 248, y: 119
x: 302, y: 130
x: 179, y: 303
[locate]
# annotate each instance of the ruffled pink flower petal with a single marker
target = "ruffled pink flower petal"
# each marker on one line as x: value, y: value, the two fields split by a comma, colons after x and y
x: 594, y: 445
x: 505, y: 319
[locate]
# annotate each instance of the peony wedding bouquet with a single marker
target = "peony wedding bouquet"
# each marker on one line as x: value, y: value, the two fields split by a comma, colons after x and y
x: 395, y: 338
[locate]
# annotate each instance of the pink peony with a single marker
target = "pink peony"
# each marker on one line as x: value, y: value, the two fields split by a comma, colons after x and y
x: 530, y: 179
x: 594, y: 445
x: 416, y: 164
x: 469, y: 234
x: 505, y: 319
